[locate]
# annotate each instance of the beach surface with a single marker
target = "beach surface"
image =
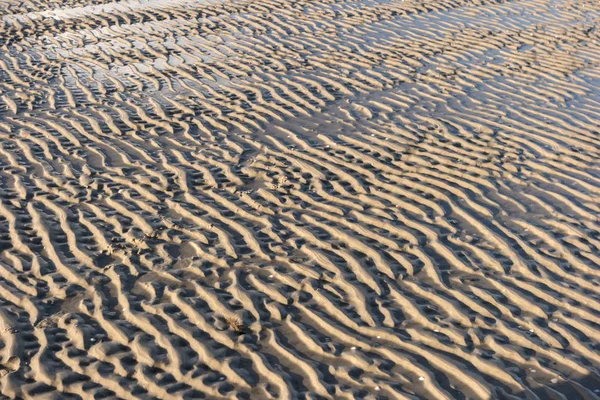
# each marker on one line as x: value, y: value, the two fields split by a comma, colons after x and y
x: 300, y: 199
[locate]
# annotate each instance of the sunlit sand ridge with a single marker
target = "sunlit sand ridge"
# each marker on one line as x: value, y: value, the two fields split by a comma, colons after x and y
x: 300, y: 199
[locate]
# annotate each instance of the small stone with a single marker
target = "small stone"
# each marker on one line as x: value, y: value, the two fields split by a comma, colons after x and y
x: 377, y: 388
x: 421, y: 378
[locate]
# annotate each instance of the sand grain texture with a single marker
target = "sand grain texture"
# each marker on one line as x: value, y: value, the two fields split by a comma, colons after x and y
x: 300, y: 199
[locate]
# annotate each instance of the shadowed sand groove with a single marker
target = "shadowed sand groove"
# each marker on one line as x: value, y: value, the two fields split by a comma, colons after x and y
x: 300, y: 199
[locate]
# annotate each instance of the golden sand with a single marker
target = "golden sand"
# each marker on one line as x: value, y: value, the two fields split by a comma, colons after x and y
x: 300, y: 199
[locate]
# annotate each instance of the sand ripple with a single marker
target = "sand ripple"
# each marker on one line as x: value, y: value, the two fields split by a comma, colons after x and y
x: 317, y: 199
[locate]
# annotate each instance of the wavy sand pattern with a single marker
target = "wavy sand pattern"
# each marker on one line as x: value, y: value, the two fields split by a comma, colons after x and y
x: 300, y: 199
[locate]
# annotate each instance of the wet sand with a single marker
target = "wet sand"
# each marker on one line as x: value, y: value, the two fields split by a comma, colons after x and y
x: 300, y: 199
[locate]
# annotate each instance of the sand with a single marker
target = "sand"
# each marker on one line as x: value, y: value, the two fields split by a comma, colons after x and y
x: 300, y: 199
